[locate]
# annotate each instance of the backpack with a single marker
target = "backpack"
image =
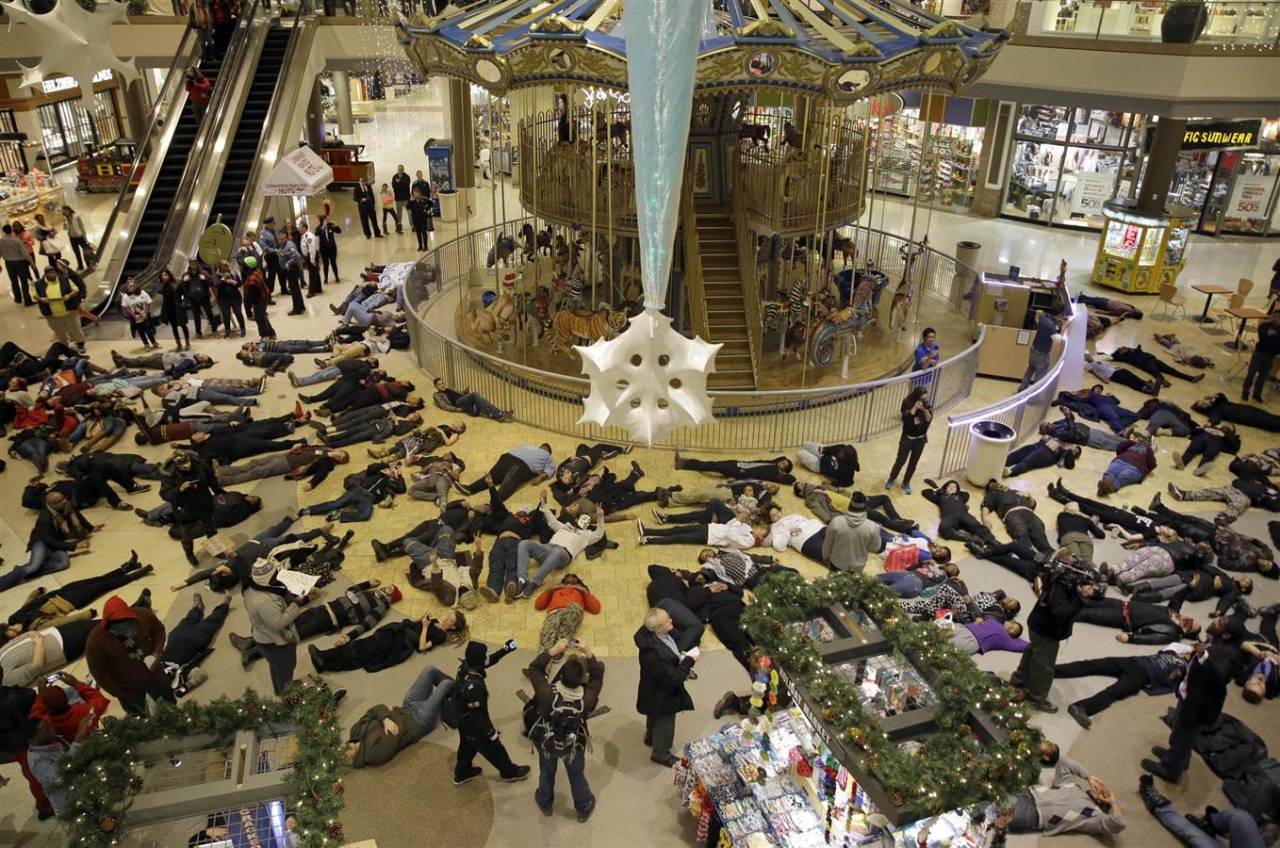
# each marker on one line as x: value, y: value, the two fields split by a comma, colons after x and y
x: 460, y: 701
x: 562, y: 732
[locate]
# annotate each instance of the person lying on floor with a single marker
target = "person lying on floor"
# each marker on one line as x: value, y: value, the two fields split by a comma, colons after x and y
x: 1016, y: 510
x: 235, y: 566
x: 957, y: 522
x: 1073, y: 801
x: 423, y: 441
x: 604, y: 489
x: 383, y: 732
x: 1140, y: 623
x: 516, y: 467
x: 359, y: 608
x: 565, y: 606
x: 468, y: 402
x: 229, y: 509
x: 913, y: 580
x: 1110, y: 306
x: 1194, y: 586
x: 60, y: 532
x: 27, y: 657
x: 1264, y: 464
x: 776, y: 470
x: 377, y: 484
x: 1156, y: 674
x: 1182, y: 353
x: 1239, y: 826
x: 189, y: 642
x: 225, y: 391
x: 350, y: 369
x: 1207, y: 443
x: 728, y: 491
x: 49, y: 607
x: 1046, y: 453
x: 251, y: 439
x: 1235, y: 551
x: 964, y: 608
x: 376, y: 430
x: 311, y: 463
x: 1107, y: 371
x: 274, y: 362
x: 836, y: 463
x: 567, y: 541
x: 734, y: 568
x: 173, y: 363
x: 1219, y: 409
x: 391, y: 644
x: 372, y: 393
x: 160, y: 427
x: 346, y: 384
x: 1113, y: 518
x: 726, y: 527
x: 1149, y: 362
x: 985, y: 635
x: 435, y: 480
x: 1135, y: 459
x: 1094, y: 404
x: 878, y: 508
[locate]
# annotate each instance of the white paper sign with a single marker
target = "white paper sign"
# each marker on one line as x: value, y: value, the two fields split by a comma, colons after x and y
x: 1249, y: 196
x: 297, y: 582
x: 1091, y: 191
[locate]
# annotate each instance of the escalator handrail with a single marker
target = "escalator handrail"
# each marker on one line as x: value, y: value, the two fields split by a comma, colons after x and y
x: 230, y: 66
x: 268, y: 124
x: 173, y: 78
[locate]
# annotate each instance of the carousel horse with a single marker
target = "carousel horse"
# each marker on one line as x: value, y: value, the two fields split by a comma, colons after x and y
x: 566, y: 326
x: 494, y: 320
x: 504, y: 250
x: 757, y: 134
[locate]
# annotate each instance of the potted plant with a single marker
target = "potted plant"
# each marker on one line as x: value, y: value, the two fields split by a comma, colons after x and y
x: 1183, y: 22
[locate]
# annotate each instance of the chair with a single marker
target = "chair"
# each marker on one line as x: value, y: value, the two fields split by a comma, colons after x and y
x: 1235, y: 302
x: 1171, y: 300
x: 1244, y: 287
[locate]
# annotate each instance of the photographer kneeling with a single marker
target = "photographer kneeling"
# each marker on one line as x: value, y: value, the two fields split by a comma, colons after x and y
x: 1062, y: 589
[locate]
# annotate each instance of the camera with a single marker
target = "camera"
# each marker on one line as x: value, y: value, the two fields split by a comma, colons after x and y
x: 1073, y: 575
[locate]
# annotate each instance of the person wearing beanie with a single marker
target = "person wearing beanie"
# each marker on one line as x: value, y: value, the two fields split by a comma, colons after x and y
x: 124, y: 653
x: 476, y: 733
x: 383, y: 731
x: 851, y: 536
x: 360, y: 608
x: 272, y: 610
x: 560, y: 707
x: 53, y: 705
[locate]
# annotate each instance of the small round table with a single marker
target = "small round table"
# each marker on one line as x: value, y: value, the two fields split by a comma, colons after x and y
x: 1208, y: 290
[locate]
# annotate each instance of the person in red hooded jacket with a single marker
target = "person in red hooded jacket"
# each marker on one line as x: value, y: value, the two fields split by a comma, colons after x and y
x: 124, y: 655
x: 53, y: 705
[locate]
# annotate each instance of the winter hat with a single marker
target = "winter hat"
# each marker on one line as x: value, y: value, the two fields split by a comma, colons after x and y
x: 396, y: 594
x: 54, y: 699
x: 477, y: 654
x: 251, y: 262
x: 857, y: 502
x: 263, y: 571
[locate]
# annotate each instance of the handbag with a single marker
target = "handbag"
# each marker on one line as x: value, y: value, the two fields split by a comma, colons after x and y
x: 49, y: 247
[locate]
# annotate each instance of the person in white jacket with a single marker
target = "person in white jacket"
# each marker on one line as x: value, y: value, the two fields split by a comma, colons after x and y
x: 723, y: 527
x: 804, y: 533
x: 567, y: 541
x: 309, y: 247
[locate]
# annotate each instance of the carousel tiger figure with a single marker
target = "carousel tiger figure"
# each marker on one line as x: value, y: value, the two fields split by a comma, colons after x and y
x: 568, y: 325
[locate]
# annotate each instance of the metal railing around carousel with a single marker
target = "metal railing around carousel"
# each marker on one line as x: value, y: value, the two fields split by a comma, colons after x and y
x: 1024, y: 411
x: 744, y: 421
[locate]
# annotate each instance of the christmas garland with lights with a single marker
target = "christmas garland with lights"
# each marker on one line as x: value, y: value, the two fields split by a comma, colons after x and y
x: 100, y: 774
x: 952, y: 769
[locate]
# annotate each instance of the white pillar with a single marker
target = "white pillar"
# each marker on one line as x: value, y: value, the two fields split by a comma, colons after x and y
x: 342, y: 95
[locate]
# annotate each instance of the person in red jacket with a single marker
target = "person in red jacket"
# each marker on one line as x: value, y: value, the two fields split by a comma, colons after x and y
x: 199, y: 90
x: 53, y: 705
x: 124, y: 654
x: 564, y: 605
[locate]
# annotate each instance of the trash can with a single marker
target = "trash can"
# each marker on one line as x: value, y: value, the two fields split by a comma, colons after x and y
x: 989, y: 443
x: 448, y: 205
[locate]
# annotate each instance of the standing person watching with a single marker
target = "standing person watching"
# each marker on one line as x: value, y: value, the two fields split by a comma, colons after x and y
x: 79, y: 238
x: 230, y: 299
x: 268, y: 247
x: 59, y: 297
x: 291, y: 267
x: 1049, y: 625
x: 559, y: 731
x: 17, y: 264
x: 927, y: 354
x: 367, y: 202
x: 663, y: 670
x: 400, y: 186
x: 197, y: 285
x: 326, y: 235
x: 124, y: 655
x: 467, y: 709
x: 272, y: 610
x: 173, y: 309
x: 1047, y: 326
x: 309, y: 247
x: 1264, y: 355
x: 420, y: 218
x: 917, y: 414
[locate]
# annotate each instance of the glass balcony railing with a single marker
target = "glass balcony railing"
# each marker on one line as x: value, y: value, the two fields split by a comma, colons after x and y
x: 1225, y: 22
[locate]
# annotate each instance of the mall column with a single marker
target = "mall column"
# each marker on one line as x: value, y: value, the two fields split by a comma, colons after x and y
x: 342, y: 96
x: 463, y: 132
x: 315, y: 117
x: 1161, y: 161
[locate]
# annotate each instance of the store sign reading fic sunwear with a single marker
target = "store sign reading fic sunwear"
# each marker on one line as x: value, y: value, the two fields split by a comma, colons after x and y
x: 1214, y: 134
x: 1249, y: 196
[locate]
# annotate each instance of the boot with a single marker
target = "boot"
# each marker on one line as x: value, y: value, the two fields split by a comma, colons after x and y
x: 144, y: 600
x: 1147, y: 792
x: 446, y: 593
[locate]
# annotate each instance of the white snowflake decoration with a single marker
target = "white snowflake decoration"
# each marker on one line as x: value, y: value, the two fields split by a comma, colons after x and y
x: 649, y: 380
x: 73, y: 41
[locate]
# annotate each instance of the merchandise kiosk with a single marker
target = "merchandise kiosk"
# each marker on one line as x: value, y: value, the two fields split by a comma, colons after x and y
x: 1138, y: 253
x: 808, y: 774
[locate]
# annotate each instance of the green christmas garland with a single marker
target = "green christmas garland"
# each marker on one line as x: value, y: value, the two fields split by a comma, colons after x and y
x: 952, y: 769
x: 100, y: 774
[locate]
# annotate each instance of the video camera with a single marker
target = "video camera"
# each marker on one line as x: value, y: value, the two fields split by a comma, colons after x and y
x: 1064, y: 567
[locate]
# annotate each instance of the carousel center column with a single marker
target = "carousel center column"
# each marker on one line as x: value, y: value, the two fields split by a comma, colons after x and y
x: 463, y: 133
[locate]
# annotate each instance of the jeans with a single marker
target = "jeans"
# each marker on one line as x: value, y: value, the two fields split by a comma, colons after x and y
x: 475, y: 404
x: 575, y: 767
x: 904, y: 584
x: 687, y: 628
x: 1162, y: 419
x: 503, y: 563
x: 39, y: 562
x: 1037, y: 365
x: 35, y: 450
x: 1122, y: 473
x: 281, y: 660
x: 549, y: 557
x: 355, y: 504
x: 324, y: 375
x: 223, y: 397
x: 358, y: 315
x: 425, y: 697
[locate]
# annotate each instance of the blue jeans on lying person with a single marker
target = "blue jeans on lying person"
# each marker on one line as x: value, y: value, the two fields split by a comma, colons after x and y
x: 904, y: 584
x: 1122, y: 473
x: 40, y: 561
x: 355, y: 504
x: 324, y: 375
x: 425, y: 698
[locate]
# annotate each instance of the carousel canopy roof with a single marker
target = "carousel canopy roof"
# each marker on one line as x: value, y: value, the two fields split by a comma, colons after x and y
x: 843, y: 49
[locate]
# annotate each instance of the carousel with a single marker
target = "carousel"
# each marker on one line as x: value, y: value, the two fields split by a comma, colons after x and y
x: 770, y: 260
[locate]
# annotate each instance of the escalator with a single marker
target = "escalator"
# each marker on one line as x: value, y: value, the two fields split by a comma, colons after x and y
x: 243, y: 150
x: 160, y: 202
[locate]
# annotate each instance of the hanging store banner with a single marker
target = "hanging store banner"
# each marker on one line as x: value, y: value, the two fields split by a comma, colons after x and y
x: 1211, y: 135
x: 1249, y: 196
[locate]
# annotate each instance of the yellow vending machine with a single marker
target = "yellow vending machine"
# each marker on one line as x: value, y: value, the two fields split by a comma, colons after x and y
x: 1137, y: 252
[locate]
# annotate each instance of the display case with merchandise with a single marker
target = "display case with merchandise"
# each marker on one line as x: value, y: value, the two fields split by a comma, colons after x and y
x: 1138, y: 253
x: 22, y: 196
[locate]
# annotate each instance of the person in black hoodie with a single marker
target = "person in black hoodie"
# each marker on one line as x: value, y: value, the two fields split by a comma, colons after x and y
x: 391, y: 644
x: 1207, y: 442
x: 1049, y: 625
x: 16, y: 726
x: 661, y: 694
x: 957, y: 522
x: 476, y: 733
x: 190, y: 485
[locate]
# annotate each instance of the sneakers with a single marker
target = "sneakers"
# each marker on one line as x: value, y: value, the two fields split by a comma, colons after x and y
x: 380, y: 551
x: 1156, y: 768
x: 1204, y: 468
x: 521, y: 773
x: 1175, y: 492
x: 906, y: 488
x: 889, y: 484
x: 466, y: 777
x: 658, y: 516
x: 510, y: 591
x: 1147, y: 792
x: 1045, y: 706
x: 1082, y: 718
x: 1177, y: 460
x: 488, y: 594
x: 196, y: 677
x: 640, y: 528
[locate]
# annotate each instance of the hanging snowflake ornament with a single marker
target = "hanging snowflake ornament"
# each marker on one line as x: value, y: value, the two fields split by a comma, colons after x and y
x: 649, y: 380
x: 73, y: 41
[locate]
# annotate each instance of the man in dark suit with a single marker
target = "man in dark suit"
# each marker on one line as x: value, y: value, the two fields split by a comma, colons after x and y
x: 327, y: 235
x: 367, y: 202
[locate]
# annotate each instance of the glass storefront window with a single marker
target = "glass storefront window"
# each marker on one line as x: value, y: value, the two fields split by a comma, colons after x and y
x: 1088, y: 180
x: 1096, y: 126
x: 1034, y: 180
x: 1251, y: 194
x: 1047, y: 122
x: 69, y: 131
